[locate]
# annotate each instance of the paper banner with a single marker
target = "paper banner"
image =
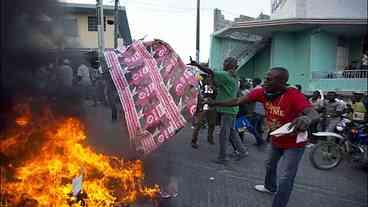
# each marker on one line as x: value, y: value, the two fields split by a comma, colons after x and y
x: 156, y: 89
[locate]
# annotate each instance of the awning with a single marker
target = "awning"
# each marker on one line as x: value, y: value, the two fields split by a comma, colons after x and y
x: 265, y: 28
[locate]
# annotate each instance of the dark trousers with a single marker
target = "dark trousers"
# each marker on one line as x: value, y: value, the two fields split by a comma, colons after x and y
x: 228, y: 132
x: 200, y: 120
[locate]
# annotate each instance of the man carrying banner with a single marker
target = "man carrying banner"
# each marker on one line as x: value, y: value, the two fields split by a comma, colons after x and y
x: 227, y: 86
x: 282, y: 105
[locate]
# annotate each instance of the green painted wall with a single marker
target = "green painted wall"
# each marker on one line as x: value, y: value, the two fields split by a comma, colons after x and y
x: 215, y: 52
x: 355, y: 49
x: 292, y: 51
x: 257, y: 66
x: 301, y: 72
x: 283, y: 50
x: 248, y: 70
x: 262, y: 63
x: 301, y: 53
x: 323, y: 52
x: 221, y: 49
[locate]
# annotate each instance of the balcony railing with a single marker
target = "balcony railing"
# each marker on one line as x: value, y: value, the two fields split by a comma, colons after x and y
x: 346, y: 74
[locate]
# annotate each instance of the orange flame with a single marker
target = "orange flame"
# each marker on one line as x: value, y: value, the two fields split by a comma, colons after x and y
x: 47, y: 176
x: 22, y: 121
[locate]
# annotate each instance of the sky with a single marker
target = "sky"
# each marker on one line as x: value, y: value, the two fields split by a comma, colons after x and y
x: 174, y: 21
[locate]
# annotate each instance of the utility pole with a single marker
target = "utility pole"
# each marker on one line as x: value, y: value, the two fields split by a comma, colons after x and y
x: 100, y: 30
x: 197, y: 33
x: 116, y: 23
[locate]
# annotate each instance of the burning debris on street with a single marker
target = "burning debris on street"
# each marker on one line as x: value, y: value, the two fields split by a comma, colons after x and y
x: 44, y: 158
x: 42, y: 154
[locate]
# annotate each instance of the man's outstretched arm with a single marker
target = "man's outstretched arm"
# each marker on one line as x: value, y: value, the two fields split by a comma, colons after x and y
x: 231, y: 102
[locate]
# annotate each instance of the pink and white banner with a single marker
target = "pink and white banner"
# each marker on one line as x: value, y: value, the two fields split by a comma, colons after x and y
x: 156, y: 89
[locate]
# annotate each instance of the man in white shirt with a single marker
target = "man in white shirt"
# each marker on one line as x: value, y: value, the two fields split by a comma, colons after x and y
x: 65, y: 74
x: 84, y: 80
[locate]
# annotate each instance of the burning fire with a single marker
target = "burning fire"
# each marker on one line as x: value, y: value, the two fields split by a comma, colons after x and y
x: 59, y: 154
x: 22, y: 121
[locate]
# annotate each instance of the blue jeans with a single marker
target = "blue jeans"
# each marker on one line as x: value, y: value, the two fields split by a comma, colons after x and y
x: 228, y: 132
x: 285, y: 184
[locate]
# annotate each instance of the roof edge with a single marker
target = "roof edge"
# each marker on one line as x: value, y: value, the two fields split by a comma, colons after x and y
x: 262, y: 23
x: 88, y: 6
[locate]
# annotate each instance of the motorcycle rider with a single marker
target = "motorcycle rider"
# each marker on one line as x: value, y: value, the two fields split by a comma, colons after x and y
x: 359, y: 110
x: 332, y: 109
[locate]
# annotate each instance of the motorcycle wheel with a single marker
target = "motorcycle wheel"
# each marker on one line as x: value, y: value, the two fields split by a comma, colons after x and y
x: 326, y: 155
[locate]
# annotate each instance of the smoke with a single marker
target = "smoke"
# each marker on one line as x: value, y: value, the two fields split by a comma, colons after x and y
x: 32, y: 41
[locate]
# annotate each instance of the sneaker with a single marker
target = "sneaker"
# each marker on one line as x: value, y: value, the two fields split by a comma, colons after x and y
x: 263, y: 189
x: 310, y: 145
x: 241, y: 156
x: 194, y: 145
x: 221, y: 161
x: 164, y: 195
x: 234, y: 154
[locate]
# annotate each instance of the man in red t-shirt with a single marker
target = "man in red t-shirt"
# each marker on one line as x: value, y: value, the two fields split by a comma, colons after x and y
x: 282, y: 105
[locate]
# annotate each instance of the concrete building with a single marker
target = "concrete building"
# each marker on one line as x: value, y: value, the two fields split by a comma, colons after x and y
x: 321, y: 43
x: 80, y: 26
x: 219, y: 21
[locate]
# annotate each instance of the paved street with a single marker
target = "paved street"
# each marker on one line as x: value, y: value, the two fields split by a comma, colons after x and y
x: 201, y: 183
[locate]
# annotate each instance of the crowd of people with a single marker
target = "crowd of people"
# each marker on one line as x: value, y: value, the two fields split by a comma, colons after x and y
x: 64, y: 79
x: 267, y: 105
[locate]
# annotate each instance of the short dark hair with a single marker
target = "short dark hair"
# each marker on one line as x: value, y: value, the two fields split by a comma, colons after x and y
x: 283, y: 71
x: 299, y: 87
x: 256, y: 81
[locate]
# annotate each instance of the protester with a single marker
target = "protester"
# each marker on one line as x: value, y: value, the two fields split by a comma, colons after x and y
x: 258, y: 116
x: 65, y: 74
x: 227, y: 87
x: 359, y: 110
x: 365, y: 60
x: 208, y: 90
x: 331, y: 109
x: 282, y: 105
x: 84, y: 81
x: 244, y: 109
x: 316, y: 100
x: 112, y: 97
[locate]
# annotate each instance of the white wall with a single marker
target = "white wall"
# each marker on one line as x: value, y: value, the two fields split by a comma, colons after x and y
x: 336, y: 9
x: 287, y: 9
x: 320, y: 9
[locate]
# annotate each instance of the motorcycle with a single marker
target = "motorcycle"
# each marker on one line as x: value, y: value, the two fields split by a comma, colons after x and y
x: 350, y: 142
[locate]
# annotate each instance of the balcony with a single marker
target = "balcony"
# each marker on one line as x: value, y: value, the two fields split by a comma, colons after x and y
x: 348, y: 80
x: 346, y: 74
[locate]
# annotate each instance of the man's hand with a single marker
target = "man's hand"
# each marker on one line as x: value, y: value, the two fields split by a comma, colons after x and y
x: 209, y: 101
x: 301, y: 124
x: 193, y: 62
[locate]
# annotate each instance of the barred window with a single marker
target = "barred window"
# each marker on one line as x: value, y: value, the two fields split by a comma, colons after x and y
x: 92, y: 23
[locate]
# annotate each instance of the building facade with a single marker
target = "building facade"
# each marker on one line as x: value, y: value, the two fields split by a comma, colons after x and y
x: 80, y: 26
x: 321, y: 46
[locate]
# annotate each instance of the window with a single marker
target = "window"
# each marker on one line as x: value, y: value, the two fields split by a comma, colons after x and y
x: 70, y: 26
x: 92, y: 23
